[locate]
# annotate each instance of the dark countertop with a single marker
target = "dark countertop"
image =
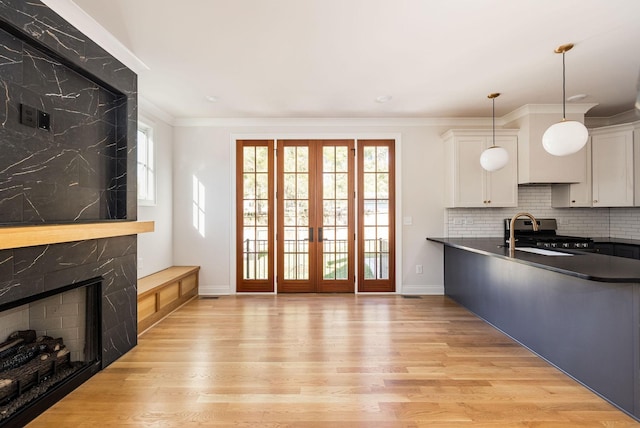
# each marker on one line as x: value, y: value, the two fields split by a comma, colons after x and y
x: 608, y: 240
x: 590, y: 266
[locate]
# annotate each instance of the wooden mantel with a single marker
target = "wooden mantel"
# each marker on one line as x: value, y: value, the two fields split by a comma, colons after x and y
x: 29, y: 236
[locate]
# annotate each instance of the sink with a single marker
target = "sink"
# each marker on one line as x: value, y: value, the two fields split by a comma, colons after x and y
x: 543, y: 252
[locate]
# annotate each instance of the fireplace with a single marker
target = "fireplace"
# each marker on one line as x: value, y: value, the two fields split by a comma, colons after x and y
x: 68, y: 186
x: 52, y: 345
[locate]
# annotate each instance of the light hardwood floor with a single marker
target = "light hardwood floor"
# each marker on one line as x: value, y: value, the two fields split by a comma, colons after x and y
x: 329, y: 360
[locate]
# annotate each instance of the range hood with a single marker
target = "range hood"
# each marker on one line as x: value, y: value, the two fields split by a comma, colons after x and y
x: 535, y: 165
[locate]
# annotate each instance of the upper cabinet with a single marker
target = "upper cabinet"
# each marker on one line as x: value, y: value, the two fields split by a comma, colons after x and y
x: 574, y: 195
x: 613, y: 171
x: 467, y: 183
x: 612, y: 166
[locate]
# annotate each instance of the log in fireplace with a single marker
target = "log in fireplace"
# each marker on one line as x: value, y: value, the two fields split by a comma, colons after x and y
x: 53, y: 348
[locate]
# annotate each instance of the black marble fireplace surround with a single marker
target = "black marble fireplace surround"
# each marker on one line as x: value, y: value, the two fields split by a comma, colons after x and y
x: 81, y: 170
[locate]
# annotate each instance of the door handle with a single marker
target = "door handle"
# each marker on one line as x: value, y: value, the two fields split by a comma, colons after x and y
x: 320, y: 234
x: 311, y: 234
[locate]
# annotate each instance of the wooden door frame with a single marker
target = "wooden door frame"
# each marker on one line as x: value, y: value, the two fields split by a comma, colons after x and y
x: 316, y: 283
x: 377, y: 285
x: 294, y: 286
x: 395, y: 137
x: 253, y: 285
x: 348, y: 285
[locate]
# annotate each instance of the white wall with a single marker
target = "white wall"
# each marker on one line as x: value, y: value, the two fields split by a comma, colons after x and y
x: 205, y: 149
x: 155, y: 249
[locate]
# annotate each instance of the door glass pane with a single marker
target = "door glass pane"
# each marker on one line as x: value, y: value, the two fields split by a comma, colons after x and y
x: 335, y: 191
x: 328, y: 186
x: 376, y: 221
x: 369, y: 186
x: 342, y: 211
x: 382, y: 186
x: 262, y: 186
x: 255, y: 206
x: 382, y: 159
x: 342, y: 186
x: 296, y: 213
x: 302, y: 213
x: 249, y: 159
x: 369, y: 212
x: 369, y: 158
x: 262, y: 159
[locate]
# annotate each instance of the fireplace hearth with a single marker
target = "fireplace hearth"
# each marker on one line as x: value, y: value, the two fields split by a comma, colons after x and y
x: 54, y: 349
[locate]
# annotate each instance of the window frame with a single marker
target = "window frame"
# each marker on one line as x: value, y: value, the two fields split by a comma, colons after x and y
x: 147, y: 164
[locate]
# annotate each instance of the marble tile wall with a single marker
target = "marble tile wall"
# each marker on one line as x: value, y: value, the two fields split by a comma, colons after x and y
x: 70, y: 172
x: 82, y: 169
x: 26, y: 272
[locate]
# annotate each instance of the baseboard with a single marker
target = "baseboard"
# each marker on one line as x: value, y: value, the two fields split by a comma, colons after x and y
x: 432, y: 289
x: 225, y: 290
x: 214, y: 290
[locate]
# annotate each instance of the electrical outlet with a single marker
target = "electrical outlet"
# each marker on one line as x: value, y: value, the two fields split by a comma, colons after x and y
x: 28, y: 115
x: 139, y: 263
x: 418, y: 268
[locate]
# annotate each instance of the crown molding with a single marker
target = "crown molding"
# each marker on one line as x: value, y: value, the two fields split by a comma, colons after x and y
x: 529, y: 109
x: 628, y: 116
x: 146, y: 107
x: 80, y: 19
x: 330, y: 122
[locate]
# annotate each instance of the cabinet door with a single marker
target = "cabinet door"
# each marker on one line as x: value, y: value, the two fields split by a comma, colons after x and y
x: 470, y: 178
x: 612, y: 160
x: 575, y: 194
x: 467, y: 184
x: 627, y: 251
x: 502, y: 185
x: 604, y: 248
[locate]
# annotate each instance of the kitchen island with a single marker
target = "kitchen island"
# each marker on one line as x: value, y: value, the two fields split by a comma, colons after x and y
x: 580, y: 312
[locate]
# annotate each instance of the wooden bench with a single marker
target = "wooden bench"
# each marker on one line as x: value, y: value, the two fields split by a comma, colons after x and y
x: 161, y: 293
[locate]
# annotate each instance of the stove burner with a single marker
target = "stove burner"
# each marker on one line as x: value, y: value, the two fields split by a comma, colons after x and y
x: 546, y: 236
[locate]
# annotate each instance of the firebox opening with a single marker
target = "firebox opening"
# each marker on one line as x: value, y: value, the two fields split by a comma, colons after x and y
x: 46, y: 346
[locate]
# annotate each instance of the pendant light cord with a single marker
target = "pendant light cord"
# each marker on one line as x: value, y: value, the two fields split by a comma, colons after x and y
x: 494, y: 121
x: 564, y: 95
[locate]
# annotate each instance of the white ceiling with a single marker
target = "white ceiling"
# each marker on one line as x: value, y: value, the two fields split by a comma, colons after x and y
x: 332, y: 58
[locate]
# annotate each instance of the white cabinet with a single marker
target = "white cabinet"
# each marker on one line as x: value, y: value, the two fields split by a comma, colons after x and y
x: 636, y: 163
x: 575, y: 194
x: 467, y: 183
x: 612, y: 166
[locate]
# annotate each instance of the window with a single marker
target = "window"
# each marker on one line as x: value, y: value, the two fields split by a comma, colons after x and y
x: 198, y: 206
x: 146, y: 166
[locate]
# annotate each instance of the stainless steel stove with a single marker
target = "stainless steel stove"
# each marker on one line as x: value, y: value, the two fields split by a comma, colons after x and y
x: 546, y: 236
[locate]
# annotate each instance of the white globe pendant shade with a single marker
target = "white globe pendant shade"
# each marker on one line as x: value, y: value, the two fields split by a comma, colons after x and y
x: 494, y: 158
x: 565, y: 138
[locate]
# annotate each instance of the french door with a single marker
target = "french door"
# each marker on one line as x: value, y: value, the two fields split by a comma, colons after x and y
x: 316, y: 223
x: 297, y: 215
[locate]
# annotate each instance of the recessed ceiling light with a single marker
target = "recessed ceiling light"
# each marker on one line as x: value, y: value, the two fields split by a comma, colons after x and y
x: 212, y: 98
x: 383, y: 98
x: 577, y: 97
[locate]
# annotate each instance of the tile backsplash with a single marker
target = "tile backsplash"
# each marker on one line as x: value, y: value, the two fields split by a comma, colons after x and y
x: 536, y: 199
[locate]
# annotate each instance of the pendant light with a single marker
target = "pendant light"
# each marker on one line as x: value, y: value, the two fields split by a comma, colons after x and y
x: 567, y: 136
x: 495, y: 157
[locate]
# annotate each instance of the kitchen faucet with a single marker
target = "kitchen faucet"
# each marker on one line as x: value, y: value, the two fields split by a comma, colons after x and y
x: 512, y: 239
